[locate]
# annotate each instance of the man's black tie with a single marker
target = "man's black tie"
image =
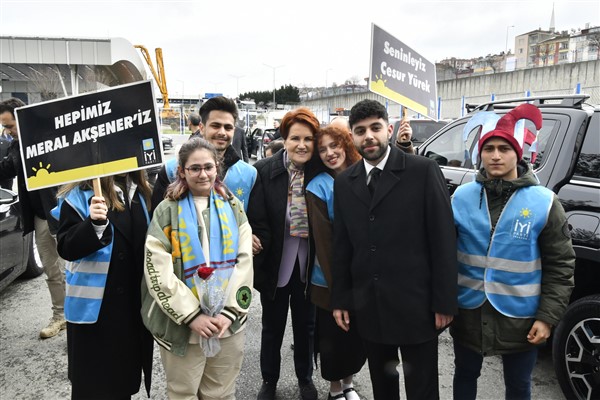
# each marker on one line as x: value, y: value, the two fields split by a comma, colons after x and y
x: 373, y: 180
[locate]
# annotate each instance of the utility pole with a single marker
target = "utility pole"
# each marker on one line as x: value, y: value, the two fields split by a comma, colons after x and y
x: 274, y: 68
x: 237, y: 88
x: 506, y: 47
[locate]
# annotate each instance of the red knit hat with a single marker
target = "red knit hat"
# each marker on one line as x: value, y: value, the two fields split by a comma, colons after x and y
x: 505, y: 127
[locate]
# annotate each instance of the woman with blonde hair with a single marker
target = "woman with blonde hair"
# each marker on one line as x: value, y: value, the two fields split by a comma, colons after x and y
x: 102, y: 238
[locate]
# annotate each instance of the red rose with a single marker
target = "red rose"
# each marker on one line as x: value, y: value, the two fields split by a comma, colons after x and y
x: 205, y: 272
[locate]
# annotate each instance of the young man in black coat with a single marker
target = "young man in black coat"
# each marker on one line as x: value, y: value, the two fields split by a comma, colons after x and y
x: 394, y: 263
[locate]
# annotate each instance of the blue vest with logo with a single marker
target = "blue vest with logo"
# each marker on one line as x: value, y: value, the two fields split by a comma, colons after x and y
x: 322, y: 187
x: 505, y: 269
x: 86, y: 278
x: 240, y: 179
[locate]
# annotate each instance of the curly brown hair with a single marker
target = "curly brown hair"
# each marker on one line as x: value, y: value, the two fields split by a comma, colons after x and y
x: 343, y: 139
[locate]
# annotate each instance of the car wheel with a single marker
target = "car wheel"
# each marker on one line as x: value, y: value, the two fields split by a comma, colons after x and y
x: 576, y: 349
x: 34, y: 263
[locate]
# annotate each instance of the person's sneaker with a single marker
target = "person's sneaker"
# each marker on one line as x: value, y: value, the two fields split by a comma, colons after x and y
x: 351, y: 394
x: 267, y: 391
x: 54, y: 327
x: 308, y: 391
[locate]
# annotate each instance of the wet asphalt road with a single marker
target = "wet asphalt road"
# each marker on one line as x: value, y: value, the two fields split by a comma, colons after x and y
x: 31, y: 368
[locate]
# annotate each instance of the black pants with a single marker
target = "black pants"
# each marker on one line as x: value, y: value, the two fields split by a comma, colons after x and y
x: 420, y: 366
x: 274, y: 319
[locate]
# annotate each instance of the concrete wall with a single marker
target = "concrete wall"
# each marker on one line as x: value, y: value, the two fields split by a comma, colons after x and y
x: 554, y: 80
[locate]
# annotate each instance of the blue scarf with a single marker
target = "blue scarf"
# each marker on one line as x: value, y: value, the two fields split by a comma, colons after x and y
x: 223, y: 242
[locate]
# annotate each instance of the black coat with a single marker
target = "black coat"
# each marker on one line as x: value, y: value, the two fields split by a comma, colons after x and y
x: 266, y: 213
x: 35, y: 203
x: 239, y: 143
x: 106, y: 358
x: 394, y: 260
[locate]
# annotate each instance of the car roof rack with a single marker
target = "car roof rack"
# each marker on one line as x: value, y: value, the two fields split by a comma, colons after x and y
x: 567, y: 101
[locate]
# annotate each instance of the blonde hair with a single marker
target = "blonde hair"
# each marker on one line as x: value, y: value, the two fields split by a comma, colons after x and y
x: 107, y: 183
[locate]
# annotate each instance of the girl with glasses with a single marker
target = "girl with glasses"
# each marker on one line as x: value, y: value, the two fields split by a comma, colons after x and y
x: 198, y: 273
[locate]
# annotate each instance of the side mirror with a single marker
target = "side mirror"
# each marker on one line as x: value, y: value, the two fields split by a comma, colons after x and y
x: 8, y: 196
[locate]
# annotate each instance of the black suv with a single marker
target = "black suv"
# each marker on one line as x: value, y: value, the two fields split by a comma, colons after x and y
x: 568, y: 163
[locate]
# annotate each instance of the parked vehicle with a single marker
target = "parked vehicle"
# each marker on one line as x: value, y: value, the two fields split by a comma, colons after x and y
x: 18, y: 253
x: 422, y: 129
x: 167, y: 142
x: 568, y: 163
x: 258, y: 141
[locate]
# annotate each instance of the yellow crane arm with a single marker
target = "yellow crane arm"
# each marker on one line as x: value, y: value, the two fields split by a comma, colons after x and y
x: 159, y: 77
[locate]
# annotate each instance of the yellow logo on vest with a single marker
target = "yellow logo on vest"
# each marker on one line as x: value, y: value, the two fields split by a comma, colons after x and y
x: 522, y: 224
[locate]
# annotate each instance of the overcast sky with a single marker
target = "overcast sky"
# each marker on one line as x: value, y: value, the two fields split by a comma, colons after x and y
x: 214, y: 46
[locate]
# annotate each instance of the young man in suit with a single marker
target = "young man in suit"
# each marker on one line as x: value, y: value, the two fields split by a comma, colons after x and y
x: 394, y: 267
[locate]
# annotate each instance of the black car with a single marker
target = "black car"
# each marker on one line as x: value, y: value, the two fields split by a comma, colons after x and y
x: 568, y: 163
x: 167, y: 142
x: 18, y: 254
x: 258, y: 140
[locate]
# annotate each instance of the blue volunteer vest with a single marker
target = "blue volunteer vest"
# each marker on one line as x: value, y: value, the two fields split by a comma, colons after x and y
x: 86, y: 278
x: 322, y: 187
x: 240, y: 179
x: 505, y: 269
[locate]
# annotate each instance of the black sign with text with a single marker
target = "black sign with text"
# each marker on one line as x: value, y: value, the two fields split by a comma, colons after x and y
x: 90, y: 135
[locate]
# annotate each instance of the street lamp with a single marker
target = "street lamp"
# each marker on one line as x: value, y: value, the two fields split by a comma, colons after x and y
x: 274, y: 68
x: 326, y: 80
x: 237, y: 88
x: 506, y: 47
x: 182, y: 93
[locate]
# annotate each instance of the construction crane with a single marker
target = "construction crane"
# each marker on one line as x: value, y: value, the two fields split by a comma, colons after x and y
x: 174, y: 118
x: 161, y: 80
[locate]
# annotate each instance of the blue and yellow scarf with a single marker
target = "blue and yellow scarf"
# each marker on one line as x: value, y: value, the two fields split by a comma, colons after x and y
x: 223, y: 241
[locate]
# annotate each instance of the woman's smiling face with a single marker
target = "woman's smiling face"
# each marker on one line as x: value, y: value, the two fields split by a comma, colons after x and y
x: 332, y: 153
x: 200, y: 172
x: 299, y: 144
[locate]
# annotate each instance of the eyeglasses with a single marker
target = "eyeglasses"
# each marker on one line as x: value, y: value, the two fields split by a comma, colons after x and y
x: 196, y: 170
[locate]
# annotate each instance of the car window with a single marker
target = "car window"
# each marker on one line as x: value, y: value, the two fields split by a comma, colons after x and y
x: 588, y: 163
x: 448, y: 149
x: 545, y: 137
x: 422, y: 130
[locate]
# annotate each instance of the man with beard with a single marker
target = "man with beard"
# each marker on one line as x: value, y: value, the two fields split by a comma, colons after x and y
x: 398, y: 296
x: 218, y: 116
